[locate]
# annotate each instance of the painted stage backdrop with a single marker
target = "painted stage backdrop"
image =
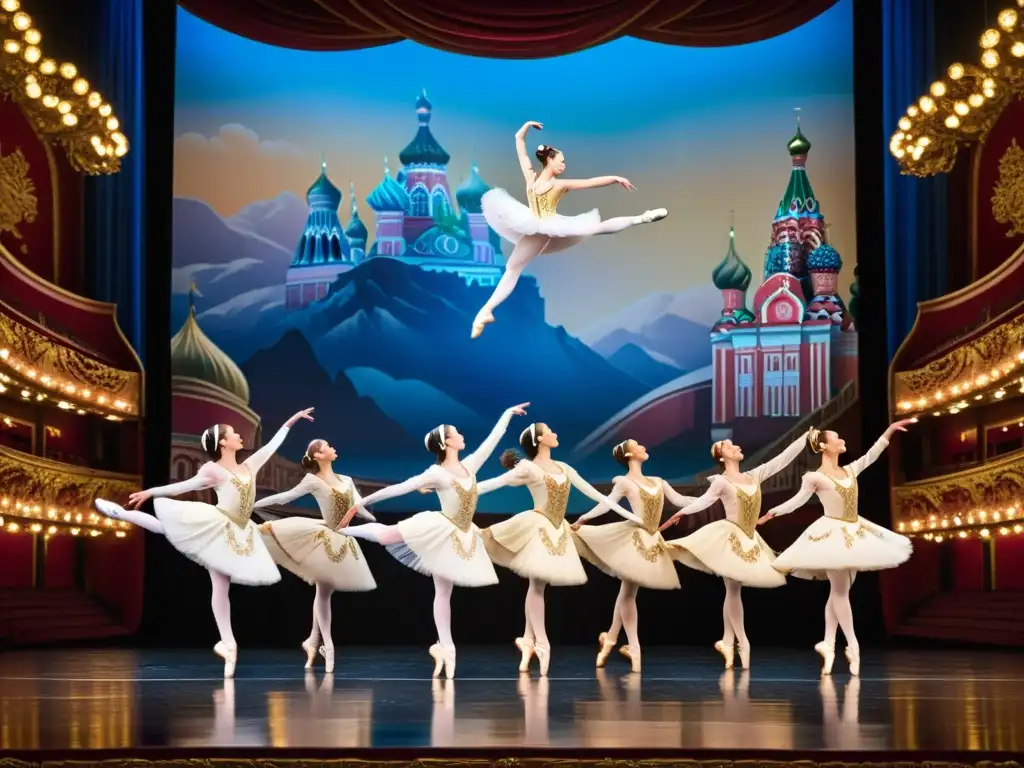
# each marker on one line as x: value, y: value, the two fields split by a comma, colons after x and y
x: 329, y: 246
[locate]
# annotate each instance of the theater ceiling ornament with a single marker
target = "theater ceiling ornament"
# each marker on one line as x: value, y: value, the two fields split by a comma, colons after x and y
x: 962, y: 108
x: 59, y: 102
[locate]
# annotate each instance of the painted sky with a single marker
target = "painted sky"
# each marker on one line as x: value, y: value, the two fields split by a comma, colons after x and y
x: 701, y: 132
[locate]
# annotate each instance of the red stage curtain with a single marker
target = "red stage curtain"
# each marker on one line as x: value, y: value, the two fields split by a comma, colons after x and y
x: 525, y: 29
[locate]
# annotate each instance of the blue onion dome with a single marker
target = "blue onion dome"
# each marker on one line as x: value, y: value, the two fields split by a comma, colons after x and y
x: 323, y: 195
x: 824, y: 258
x: 731, y: 273
x: 798, y: 145
x: 355, y: 231
x: 389, y: 195
x: 471, y: 191
x: 424, y: 148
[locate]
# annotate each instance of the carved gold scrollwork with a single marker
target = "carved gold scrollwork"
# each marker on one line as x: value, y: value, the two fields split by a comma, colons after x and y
x: 18, y: 202
x: 1008, y: 193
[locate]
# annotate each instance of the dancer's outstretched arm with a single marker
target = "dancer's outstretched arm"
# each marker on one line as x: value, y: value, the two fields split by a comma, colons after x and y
x: 304, y: 486
x: 808, y: 487
x: 479, y: 457
x: 762, y: 472
x: 521, y: 474
x: 424, y: 481
x: 702, y: 502
x: 593, y: 494
x: 876, y: 450
x: 594, y: 183
x: 619, y: 490
x: 262, y: 456
x: 208, y: 476
x: 524, y: 158
x: 675, y: 498
x: 358, y: 501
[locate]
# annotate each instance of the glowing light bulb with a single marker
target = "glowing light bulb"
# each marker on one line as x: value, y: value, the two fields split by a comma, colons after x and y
x: 70, y: 120
x: 938, y: 89
x: 990, y: 59
x: 33, y: 37
x: 121, y: 150
x: 105, y: 110
x: 22, y: 21
x: 68, y: 70
x: 905, y: 123
x: 113, y: 124
x: 32, y: 54
x: 975, y: 100
x: 48, y: 66
x: 51, y: 101
x: 955, y: 71
x: 989, y: 38
x: 1007, y: 19
x: 80, y: 86
x: 63, y: 107
x: 912, y: 110
x: 952, y: 121
x: 33, y: 91
x: 926, y: 103
x: 10, y: 5
x: 94, y: 100
x: 1017, y: 49
x: 924, y: 141
x: 12, y: 46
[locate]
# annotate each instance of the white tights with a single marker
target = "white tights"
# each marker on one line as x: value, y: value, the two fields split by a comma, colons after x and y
x: 732, y: 616
x: 838, y: 612
x: 322, y: 617
x: 624, y: 616
x: 378, y: 533
x: 532, y: 246
x: 535, y: 632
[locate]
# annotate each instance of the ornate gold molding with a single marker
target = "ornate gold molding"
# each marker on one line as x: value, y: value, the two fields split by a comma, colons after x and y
x: 65, y: 374
x: 18, y: 201
x: 1008, y: 193
x: 40, y: 493
x: 59, y: 103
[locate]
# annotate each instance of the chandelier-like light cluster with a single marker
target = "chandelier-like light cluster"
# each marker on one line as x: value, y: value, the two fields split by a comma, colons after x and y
x: 963, y: 107
x: 59, y: 102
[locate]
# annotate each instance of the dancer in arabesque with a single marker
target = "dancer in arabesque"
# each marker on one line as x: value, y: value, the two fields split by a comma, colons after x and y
x: 634, y: 553
x: 445, y: 545
x: 537, y: 228
x: 222, y: 538
x: 538, y: 544
x: 839, y: 543
x: 318, y: 551
x: 732, y: 548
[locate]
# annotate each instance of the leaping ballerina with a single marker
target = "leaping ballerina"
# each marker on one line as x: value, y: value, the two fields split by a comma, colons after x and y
x: 222, y: 538
x: 445, y: 545
x: 537, y: 228
x: 839, y: 543
x: 318, y: 551
x: 731, y: 548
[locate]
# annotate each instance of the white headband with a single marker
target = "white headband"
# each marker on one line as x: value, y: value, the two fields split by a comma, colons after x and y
x: 440, y: 429
x: 532, y: 431
x: 216, y: 437
x: 621, y: 445
x: 540, y: 148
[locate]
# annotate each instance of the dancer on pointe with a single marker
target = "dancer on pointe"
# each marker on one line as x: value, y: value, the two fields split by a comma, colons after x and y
x: 538, y: 544
x: 537, y: 228
x: 840, y: 543
x: 635, y: 554
x: 222, y: 538
x: 732, y: 548
x: 447, y: 544
x: 318, y: 551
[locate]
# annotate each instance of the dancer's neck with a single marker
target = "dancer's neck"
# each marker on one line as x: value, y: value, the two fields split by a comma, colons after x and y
x: 636, y: 471
x: 731, y: 469
x: 228, y: 461
x: 829, y: 463
x: 543, y: 456
x: 324, y: 470
x: 451, y: 461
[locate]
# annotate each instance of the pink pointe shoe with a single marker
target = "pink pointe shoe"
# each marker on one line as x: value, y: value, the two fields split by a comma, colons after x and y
x: 543, y: 657
x: 827, y: 652
x: 230, y: 656
x: 479, y: 323
x: 726, y: 651
x: 328, y: 654
x: 444, y: 659
x: 853, y: 657
x: 526, y: 648
x: 604, y: 649
x: 310, y: 647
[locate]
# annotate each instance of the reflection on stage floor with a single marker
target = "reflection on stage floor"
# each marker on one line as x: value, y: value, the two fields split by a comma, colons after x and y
x: 904, y: 700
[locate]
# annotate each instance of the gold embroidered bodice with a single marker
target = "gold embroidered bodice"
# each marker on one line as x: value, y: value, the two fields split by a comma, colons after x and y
x: 749, y: 509
x: 544, y: 206
x: 654, y: 504
x: 849, y: 497
x: 341, y: 502
x: 558, y: 498
x: 246, y: 490
x: 463, y: 518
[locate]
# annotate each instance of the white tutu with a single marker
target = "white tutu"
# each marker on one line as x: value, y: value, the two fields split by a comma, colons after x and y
x: 831, y: 544
x: 724, y: 549
x: 514, y: 221
x: 318, y: 554
x: 433, y: 545
x: 532, y: 547
x: 628, y: 552
x: 207, y: 536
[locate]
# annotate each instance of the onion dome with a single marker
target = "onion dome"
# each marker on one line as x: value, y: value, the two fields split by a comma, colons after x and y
x: 323, y: 195
x: 194, y: 356
x: 798, y: 145
x: 355, y: 231
x: 824, y: 258
x: 389, y: 195
x: 784, y: 257
x: 424, y: 149
x: 731, y: 273
x: 471, y: 191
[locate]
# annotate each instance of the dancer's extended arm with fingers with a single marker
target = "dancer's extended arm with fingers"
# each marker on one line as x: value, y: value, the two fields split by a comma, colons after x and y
x: 808, y: 487
x: 208, y: 476
x: 876, y: 450
x: 675, y: 498
x: 306, y: 485
x: 525, y: 164
x: 762, y: 472
x: 594, y: 183
x: 424, y: 481
x: 479, y: 457
x: 702, y: 502
x: 262, y: 456
x: 593, y: 494
x: 521, y: 474
x: 620, y: 489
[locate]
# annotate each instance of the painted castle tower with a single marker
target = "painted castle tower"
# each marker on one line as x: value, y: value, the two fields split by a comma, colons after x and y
x: 797, y: 347
x: 416, y: 221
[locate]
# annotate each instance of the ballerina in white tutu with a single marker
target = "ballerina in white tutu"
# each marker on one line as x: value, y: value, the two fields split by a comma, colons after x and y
x: 222, y: 538
x: 538, y: 228
x: 538, y: 544
x: 634, y: 553
x: 840, y: 543
x: 447, y: 544
x: 318, y: 551
x: 732, y: 548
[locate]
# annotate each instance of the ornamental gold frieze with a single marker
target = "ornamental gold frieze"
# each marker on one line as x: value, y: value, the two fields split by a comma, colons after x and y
x: 63, y: 372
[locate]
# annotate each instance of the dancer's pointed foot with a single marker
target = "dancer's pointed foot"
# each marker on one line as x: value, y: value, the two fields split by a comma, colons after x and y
x: 604, y: 649
x: 438, y: 657
x: 726, y: 651
x: 485, y: 318
x: 827, y: 651
x: 634, y: 657
x: 309, y: 645
x: 626, y: 651
x: 230, y: 656
x: 444, y: 659
x: 328, y: 654
x: 543, y: 657
x: 744, y: 656
x: 654, y: 215
x: 526, y: 648
x: 109, y: 509
x: 853, y: 657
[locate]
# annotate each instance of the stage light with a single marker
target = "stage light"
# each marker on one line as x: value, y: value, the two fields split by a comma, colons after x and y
x: 22, y: 21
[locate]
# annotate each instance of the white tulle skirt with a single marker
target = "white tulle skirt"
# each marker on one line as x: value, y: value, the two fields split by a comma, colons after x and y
x: 722, y: 548
x: 829, y: 544
x: 514, y: 221
x: 317, y: 554
x: 434, y: 546
x: 628, y: 552
x: 532, y: 547
x: 207, y: 536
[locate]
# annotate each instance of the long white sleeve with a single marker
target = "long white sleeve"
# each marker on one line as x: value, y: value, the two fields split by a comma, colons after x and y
x: 675, y: 498
x: 618, y: 491
x: 869, y: 458
x: 426, y: 479
x: 762, y: 472
x: 358, y: 500
x: 594, y: 495
x: 262, y: 456
x: 479, y: 457
x: 519, y: 475
x: 705, y: 500
x: 808, y: 487
x: 206, y: 477
x: 304, y: 486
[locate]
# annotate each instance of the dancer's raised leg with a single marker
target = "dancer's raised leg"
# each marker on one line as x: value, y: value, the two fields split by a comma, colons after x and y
x: 227, y: 648
x: 141, y: 519
x: 322, y: 610
x: 378, y: 533
x: 526, y: 250
x: 619, y: 223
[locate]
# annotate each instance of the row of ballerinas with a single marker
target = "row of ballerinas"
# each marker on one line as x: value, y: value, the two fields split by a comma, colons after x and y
x: 537, y: 544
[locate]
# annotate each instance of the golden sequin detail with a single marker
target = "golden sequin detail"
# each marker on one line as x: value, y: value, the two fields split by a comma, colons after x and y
x: 750, y: 509
x: 246, y: 500
x: 749, y: 556
x: 557, y: 550
x: 651, y: 553
x: 558, y: 498
x: 243, y: 550
x: 336, y: 555
x: 459, y: 547
x: 822, y: 537
x: 849, y: 497
x: 341, y: 503
x: 463, y: 519
x: 544, y: 206
x: 653, y: 505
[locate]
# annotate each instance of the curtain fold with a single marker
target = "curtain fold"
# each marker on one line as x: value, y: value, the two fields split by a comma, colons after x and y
x: 916, y: 266
x: 527, y: 29
x: 114, y: 219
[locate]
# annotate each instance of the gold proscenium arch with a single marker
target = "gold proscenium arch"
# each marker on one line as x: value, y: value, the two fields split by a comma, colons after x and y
x: 58, y: 101
x: 962, y: 108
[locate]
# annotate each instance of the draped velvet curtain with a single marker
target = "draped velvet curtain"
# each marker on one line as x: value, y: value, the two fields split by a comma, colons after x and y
x: 525, y: 29
x: 915, y: 209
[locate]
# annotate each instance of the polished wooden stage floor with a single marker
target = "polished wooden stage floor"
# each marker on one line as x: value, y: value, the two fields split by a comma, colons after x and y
x: 121, y: 701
